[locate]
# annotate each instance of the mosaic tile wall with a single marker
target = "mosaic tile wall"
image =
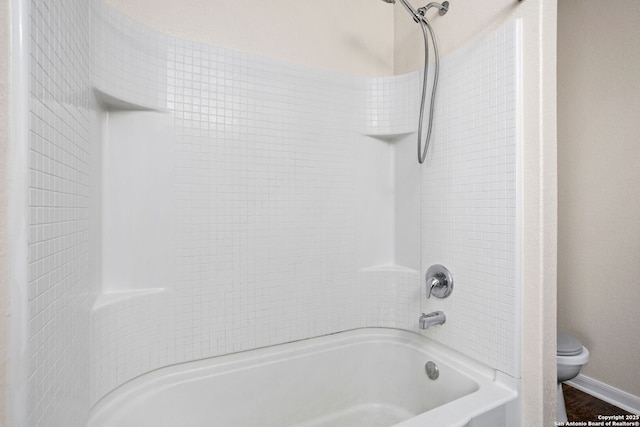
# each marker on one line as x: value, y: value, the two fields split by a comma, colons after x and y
x: 265, y: 198
x: 469, y: 194
x: 59, y: 290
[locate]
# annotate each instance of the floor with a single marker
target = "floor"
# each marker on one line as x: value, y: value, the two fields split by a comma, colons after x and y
x: 584, y: 407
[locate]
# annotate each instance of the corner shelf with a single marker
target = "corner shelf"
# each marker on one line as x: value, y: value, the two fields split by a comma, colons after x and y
x: 109, y: 298
x: 110, y: 102
x: 391, y: 268
x: 389, y: 137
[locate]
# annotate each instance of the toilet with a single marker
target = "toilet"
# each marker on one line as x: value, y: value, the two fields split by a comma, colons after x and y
x: 570, y: 358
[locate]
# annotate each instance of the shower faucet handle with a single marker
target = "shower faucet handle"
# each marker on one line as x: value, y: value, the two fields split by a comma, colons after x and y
x: 439, y: 281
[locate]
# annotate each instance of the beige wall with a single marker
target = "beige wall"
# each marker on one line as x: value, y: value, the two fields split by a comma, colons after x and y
x: 354, y: 36
x: 467, y: 20
x: 4, y: 276
x: 599, y: 185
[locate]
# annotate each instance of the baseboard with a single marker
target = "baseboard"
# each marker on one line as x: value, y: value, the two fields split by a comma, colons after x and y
x: 602, y: 391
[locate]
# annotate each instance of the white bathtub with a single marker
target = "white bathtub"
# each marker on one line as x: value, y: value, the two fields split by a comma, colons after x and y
x: 363, y: 378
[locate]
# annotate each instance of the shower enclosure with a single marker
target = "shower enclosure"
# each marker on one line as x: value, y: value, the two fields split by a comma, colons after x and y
x: 176, y: 200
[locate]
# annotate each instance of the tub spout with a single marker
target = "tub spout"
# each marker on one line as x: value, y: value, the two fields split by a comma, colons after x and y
x: 435, y: 318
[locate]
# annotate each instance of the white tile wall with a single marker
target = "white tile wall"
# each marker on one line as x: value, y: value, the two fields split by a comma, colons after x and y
x: 129, y: 59
x: 469, y: 200
x: 266, y: 223
x: 389, y: 296
x: 266, y: 203
x: 58, y: 289
x: 392, y: 104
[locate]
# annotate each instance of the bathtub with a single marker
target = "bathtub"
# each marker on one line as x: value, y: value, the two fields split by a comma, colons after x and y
x: 364, y: 378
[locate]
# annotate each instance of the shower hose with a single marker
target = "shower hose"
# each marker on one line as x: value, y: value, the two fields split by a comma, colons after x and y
x: 425, y: 25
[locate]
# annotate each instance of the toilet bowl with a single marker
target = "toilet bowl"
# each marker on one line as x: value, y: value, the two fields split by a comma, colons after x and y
x: 571, y: 355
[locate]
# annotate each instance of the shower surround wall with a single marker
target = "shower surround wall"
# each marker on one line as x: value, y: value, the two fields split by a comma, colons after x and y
x: 279, y: 195
x: 469, y: 200
x: 59, y: 291
x: 268, y: 243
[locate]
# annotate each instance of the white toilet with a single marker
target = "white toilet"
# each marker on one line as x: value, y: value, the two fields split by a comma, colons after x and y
x: 571, y: 356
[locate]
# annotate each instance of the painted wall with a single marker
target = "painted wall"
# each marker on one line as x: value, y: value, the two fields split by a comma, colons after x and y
x: 354, y: 36
x: 4, y: 273
x: 468, y: 20
x: 599, y: 177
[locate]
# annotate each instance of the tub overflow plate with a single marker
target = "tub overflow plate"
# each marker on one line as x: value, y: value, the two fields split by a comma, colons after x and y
x: 432, y: 370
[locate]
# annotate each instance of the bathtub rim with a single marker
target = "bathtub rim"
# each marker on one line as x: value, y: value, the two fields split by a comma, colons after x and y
x: 494, y: 388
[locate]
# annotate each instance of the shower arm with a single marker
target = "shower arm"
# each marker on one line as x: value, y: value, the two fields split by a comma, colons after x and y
x: 419, y: 14
x: 442, y: 8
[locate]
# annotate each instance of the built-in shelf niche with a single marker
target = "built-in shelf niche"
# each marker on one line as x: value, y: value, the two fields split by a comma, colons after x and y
x: 137, y: 177
x: 388, y: 186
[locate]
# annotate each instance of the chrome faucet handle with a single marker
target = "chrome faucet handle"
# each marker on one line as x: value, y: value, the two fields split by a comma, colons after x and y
x: 439, y: 281
x: 435, y: 283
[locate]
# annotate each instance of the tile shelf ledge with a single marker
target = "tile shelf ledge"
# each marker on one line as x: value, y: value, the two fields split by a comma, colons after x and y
x: 108, y: 298
x: 110, y: 102
x: 389, y: 137
x: 390, y: 268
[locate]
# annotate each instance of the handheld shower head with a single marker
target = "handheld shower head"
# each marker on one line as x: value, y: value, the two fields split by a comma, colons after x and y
x: 420, y: 18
